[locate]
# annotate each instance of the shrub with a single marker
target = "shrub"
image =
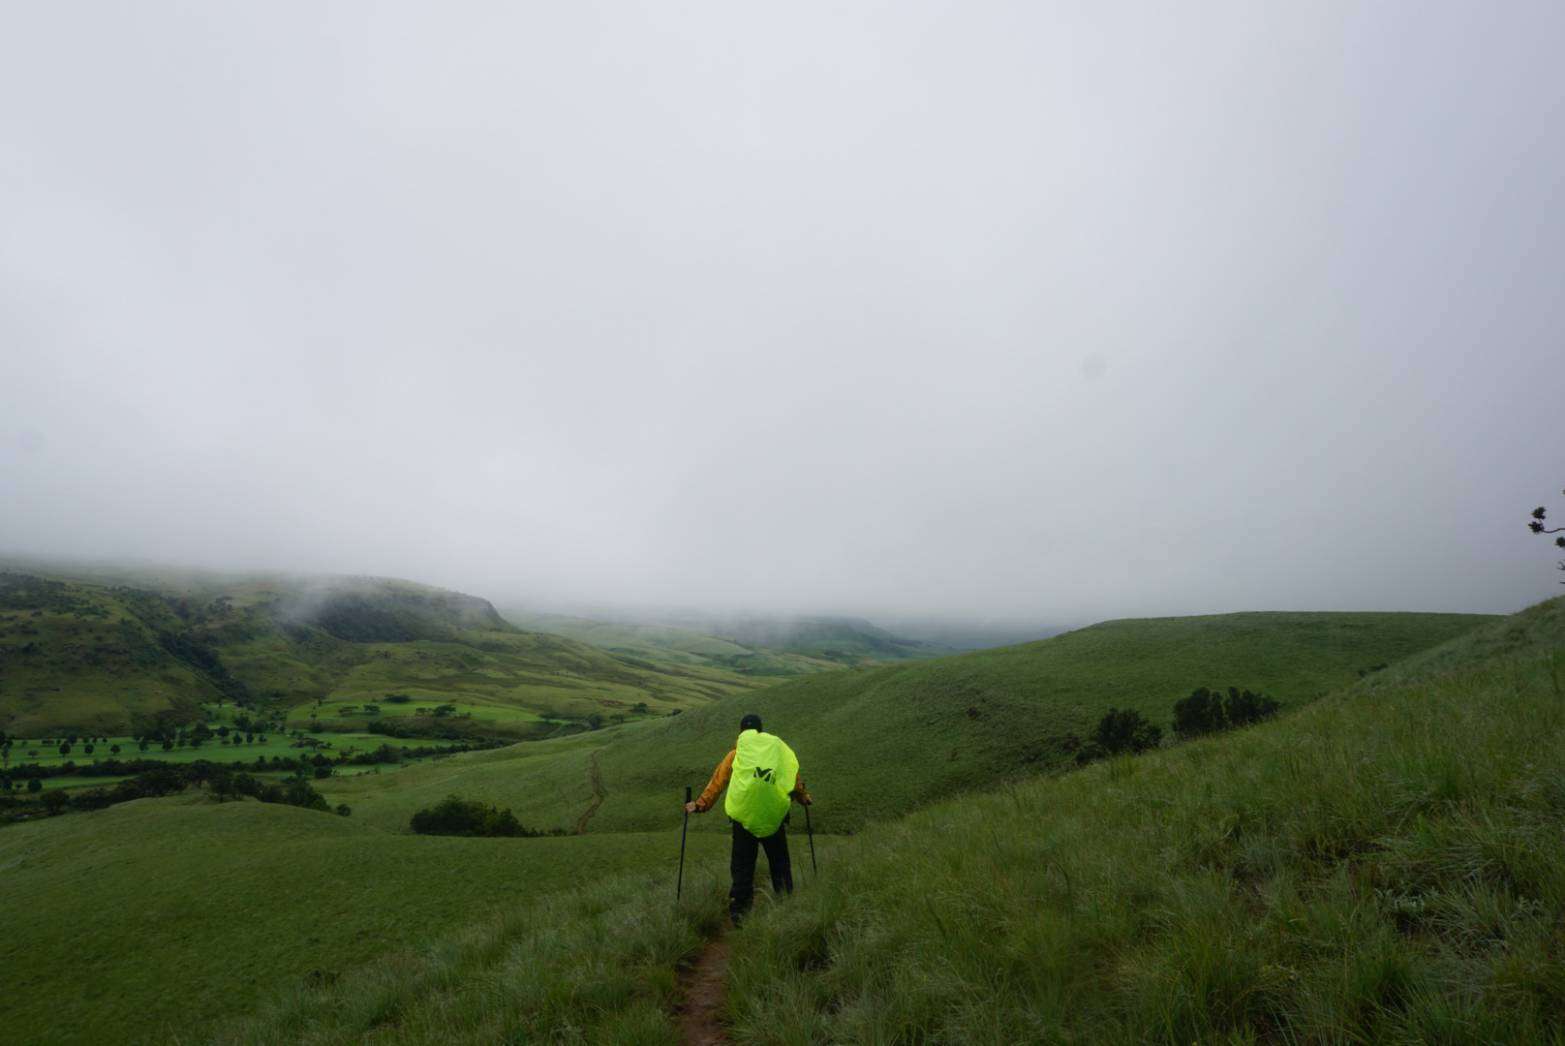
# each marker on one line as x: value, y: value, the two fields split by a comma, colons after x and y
x: 1200, y: 713
x: 454, y: 816
x: 344, y: 810
x: 1246, y: 708
x: 1121, y: 730
x: 35, y: 785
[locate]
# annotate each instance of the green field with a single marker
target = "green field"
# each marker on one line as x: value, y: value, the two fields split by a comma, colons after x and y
x: 875, y: 742
x: 165, y: 915
x: 275, y: 745
x: 339, y: 713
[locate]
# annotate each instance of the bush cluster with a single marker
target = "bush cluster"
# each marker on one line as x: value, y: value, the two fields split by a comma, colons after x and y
x: 455, y: 816
x: 1208, y: 711
x: 1120, y: 731
x: 1205, y: 711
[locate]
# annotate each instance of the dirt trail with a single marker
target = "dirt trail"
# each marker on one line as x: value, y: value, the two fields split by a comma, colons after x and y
x: 594, y: 778
x: 704, y: 986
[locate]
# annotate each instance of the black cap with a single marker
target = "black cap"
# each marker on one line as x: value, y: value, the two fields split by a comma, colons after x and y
x: 751, y: 721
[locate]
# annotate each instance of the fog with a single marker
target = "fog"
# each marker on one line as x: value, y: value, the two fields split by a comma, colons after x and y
x: 1001, y: 310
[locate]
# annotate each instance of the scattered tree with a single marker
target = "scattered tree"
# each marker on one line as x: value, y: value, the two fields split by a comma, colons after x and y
x: 1246, y: 708
x: 1120, y: 731
x: 1200, y: 713
x: 1539, y: 514
x: 454, y: 816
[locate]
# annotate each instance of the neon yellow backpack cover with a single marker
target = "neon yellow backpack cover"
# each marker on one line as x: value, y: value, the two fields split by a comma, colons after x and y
x: 764, y: 772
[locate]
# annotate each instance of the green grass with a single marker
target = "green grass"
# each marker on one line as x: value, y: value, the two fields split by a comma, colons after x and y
x: 180, y: 915
x: 876, y: 742
x: 596, y: 964
x: 165, y: 917
x: 1380, y: 866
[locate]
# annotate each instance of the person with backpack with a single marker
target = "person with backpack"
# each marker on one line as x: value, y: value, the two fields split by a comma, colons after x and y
x: 761, y: 774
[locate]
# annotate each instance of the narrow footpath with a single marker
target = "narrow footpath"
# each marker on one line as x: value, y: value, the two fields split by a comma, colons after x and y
x: 704, y: 988
x: 595, y: 779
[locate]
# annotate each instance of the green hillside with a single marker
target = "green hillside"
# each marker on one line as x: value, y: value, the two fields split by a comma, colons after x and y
x: 183, y: 915
x: 74, y: 655
x: 752, y: 644
x: 163, y: 915
x: 875, y: 742
x: 1381, y: 866
x: 669, y: 644
x: 844, y: 640
x: 114, y: 659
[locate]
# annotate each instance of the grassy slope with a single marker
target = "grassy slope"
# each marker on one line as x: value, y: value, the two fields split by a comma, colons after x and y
x: 77, y: 655
x: 875, y: 742
x: 1381, y: 866
x: 226, y: 895
x: 670, y: 644
x: 845, y: 640
x: 82, y: 652
x: 164, y: 916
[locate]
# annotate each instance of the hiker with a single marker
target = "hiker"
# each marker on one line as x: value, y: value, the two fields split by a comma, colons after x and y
x: 761, y: 774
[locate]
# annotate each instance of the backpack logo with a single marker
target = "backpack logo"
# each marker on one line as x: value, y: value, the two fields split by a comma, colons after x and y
x: 765, y: 774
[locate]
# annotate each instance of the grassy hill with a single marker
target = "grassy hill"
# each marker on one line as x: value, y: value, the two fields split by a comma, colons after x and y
x: 146, y: 920
x: 182, y: 915
x: 111, y: 658
x: 875, y: 742
x: 751, y: 644
x: 670, y: 644
x: 1380, y: 866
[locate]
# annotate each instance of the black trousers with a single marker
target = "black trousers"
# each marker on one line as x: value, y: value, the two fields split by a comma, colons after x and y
x: 741, y: 863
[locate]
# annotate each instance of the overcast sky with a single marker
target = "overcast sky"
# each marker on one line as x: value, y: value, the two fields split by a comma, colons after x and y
x: 1048, y: 311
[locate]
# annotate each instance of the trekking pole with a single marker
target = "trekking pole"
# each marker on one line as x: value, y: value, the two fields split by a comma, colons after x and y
x: 679, y: 887
x: 810, y: 832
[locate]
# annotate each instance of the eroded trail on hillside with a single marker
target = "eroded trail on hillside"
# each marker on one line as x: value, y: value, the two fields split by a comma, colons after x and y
x: 595, y: 779
x: 703, y: 989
